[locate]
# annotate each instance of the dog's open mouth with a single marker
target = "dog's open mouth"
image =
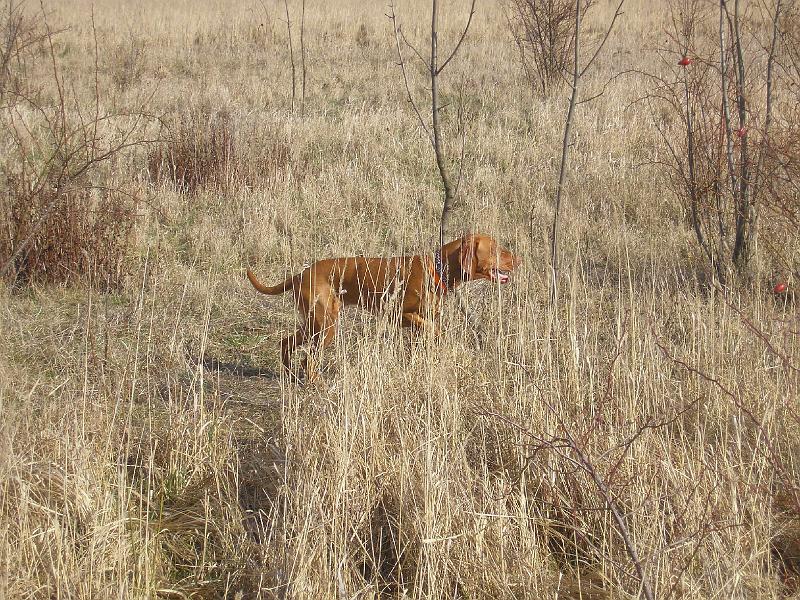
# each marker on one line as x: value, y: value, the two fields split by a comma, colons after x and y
x: 500, y: 275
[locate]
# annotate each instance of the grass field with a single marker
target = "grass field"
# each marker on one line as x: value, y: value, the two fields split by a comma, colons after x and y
x: 151, y: 448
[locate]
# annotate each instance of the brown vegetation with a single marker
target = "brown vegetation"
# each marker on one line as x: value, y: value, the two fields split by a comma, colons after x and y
x: 199, y: 152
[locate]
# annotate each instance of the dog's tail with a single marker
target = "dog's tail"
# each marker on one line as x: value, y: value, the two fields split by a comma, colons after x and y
x: 275, y: 289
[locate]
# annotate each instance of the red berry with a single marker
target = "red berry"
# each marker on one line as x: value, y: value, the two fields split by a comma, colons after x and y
x: 780, y: 288
x: 685, y: 61
x: 741, y: 132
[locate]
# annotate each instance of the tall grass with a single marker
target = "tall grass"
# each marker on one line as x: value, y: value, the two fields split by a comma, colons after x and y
x: 149, y: 446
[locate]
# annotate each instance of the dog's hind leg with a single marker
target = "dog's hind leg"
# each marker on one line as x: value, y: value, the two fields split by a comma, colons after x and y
x: 322, y: 323
x: 288, y: 347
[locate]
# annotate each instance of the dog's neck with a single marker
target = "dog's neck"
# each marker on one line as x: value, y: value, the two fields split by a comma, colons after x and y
x: 452, y: 273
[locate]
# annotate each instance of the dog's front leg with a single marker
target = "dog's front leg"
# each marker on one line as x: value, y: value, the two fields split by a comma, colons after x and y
x: 420, y: 324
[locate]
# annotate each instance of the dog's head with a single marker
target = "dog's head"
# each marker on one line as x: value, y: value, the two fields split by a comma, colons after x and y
x: 483, y: 258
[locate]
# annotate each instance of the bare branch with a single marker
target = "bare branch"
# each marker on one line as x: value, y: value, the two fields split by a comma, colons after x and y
x: 303, y: 59
x: 413, y: 48
x: 461, y: 39
x: 606, y: 83
x: 609, y: 29
x: 772, y: 454
x: 402, y: 65
x: 622, y: 526
x: 291, y: 53
x: 581, y: 459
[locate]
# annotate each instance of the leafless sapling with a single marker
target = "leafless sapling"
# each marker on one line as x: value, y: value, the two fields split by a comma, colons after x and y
x: 434, y: 68
x: 577, y: 73
x: 291, y: 54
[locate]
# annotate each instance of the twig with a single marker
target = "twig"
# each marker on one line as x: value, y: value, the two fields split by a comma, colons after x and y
x: 461, y: 39
x: 416, y: 52
x: 569, y: 442
x: 774, y: 456
x: 291, y: 53
x: 606, y: 83
x: 622, y: 526
x: 610, y: 27
x: 303, y: 58
x: 402, y: 65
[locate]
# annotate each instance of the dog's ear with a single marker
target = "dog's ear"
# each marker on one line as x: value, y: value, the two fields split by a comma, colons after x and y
x: 469, y: 259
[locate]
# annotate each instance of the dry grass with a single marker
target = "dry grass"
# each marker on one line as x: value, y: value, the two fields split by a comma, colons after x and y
x: 150, y: 448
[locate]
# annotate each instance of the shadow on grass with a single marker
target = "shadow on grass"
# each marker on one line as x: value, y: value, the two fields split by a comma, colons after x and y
x: 238, y: 369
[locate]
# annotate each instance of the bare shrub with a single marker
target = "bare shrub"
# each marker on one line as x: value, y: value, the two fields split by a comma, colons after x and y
x: 544, y: 33
x: 362, y: 36
x: 81, y: 234
x: 781, y: 225
x: 199, y: 152
x: 729, y: 143
x: 128, y: 63
x: 59, y: 224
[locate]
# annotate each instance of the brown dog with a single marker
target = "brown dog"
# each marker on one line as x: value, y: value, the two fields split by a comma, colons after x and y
x: 418, y: 282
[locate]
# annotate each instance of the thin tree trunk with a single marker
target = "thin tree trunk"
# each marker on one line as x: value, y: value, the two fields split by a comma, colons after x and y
x: 726, y: 115
x: 437, y: 132
x: 744, y: 208
x: 564, y: 153
x: 767, y: 120
x: 291, y: 54
x: 303, y: 59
